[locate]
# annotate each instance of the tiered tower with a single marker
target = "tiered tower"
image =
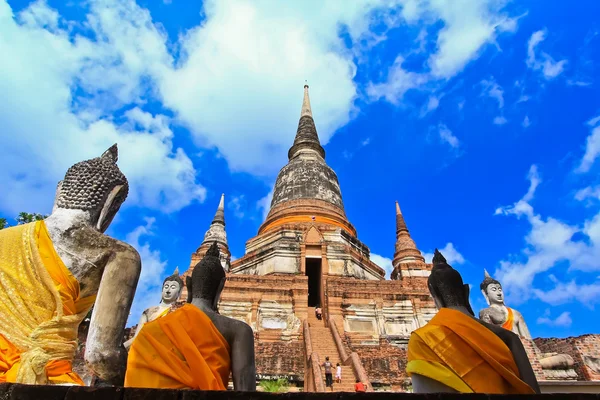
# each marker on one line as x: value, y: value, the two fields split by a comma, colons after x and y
x: 307, y: 253
x: 215, y: 233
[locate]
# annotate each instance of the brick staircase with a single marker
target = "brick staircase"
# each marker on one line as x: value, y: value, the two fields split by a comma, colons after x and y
x: 323, y: 344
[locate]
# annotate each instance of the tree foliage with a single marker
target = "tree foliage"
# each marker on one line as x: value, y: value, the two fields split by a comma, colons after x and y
x: 23, y: 218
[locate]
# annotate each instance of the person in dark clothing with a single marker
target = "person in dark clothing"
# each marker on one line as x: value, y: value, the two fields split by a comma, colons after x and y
x: 328, y: 373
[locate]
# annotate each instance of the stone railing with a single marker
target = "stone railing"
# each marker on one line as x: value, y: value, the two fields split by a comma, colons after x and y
x: 353, y: 358
x: 313, y: 379
x: 10, y: 391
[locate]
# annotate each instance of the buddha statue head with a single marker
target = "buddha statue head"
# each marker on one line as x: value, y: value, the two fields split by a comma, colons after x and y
x: 208, y: 278
x: 492, y: 290
x: 446, y: 285
x: 172, y: 287
x: 96, y: 186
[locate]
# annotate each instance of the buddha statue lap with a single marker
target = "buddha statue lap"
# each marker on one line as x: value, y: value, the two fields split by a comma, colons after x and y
x: 555, y: 366
x: 65, y: 265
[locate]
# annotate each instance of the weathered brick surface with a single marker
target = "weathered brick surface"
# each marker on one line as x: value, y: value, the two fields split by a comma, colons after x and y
x: 581, y: 348
x: 534, y: 356
x: 280, y: 359
x: 385, y: 364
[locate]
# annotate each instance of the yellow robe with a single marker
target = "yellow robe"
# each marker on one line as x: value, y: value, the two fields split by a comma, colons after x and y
x: 40, y: 309
x: 182, y: 350
x: 459, y: 352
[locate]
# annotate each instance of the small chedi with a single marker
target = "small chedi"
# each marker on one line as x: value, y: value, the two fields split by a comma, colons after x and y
x: 171, y: 290
x: 554, y: 365
x: 455, y: 352
x: 54, y: 271
x: 195, y: 347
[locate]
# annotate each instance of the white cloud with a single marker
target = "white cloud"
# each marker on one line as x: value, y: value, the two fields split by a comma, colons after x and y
x: 432, y: 104
x: 237, y: 204
x: 548, y: 243
x: 148, y: 290
x: 500, y: 120
x: 234, y: 87
x: 526, y: 122
x: 543, y: 61
x: 562, y: 293
x: 468, y: 25
x: 50, y: 128
x: 563, y: 320
x: 383, y: 262
x: 589, y: 192
x: 399, y: 81
x: 450, y: 253
x: 493, y: 90
x: 592, y: 146
x: 447, y: 136
x: 264, y: 204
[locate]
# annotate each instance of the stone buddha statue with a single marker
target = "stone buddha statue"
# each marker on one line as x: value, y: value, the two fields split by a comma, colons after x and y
x: 554, y: 365
x: 498, y: 313
x: 171, y: 290
x: 454, y: 341
x: 194, y: 346
x: 65, y: 265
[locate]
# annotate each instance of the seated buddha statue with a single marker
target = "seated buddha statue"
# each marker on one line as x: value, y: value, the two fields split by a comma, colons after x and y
x: 554, y: 365
x: 171, y: 289
x: 498, y: 313
x: 55, y: 270
x: 195, y: 347
x: 455, y: 352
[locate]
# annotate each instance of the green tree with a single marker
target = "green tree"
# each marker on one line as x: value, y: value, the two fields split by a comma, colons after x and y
x: 3, y: 223
x: 25, y: 218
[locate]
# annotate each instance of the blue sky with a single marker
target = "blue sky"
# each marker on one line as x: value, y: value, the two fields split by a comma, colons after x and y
x: 481, y: 117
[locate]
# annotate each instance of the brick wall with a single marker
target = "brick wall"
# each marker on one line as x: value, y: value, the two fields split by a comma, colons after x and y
x: 385, y: 364
x: 280, y: 359
x: 585, y: 351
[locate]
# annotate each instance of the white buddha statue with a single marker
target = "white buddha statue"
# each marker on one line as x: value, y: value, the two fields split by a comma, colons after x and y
x: 171, y: 290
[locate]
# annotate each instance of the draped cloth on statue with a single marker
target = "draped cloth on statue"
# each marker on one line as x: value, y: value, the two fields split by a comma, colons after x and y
x: 181, y: 350
x: 40, y: 309
x: 509, y: 321
x: 457, y: 351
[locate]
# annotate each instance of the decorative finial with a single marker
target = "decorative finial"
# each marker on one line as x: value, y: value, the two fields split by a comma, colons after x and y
x: 305, y: 83
x: 176, y: 272
x: 486, y: 274
x: 112, y: 153
x: 438, y: 258
x: 398, y: 212
x: 222, y: 202
x: 213, y: 251
x: 306, y: 110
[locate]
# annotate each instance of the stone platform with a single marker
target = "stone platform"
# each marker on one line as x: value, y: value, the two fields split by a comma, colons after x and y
x: 27, y: 392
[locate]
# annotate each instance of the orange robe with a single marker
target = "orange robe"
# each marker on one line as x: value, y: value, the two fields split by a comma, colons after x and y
x: 509, y: 320
x: 457, y: 351
x: 182, y: 350
x: 40, y: 309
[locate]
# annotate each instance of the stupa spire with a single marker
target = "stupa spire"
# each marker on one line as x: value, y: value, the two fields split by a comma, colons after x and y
x: 216, y: 231
x: 307, y: 139
x: 220, y: 214
x: 406, y: 248
x: 306, y: 110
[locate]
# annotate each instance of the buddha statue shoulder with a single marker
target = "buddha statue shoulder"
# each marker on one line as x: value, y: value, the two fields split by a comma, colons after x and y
x: 498, y: 313
x: 66, y: 265
x: 171, y: 290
